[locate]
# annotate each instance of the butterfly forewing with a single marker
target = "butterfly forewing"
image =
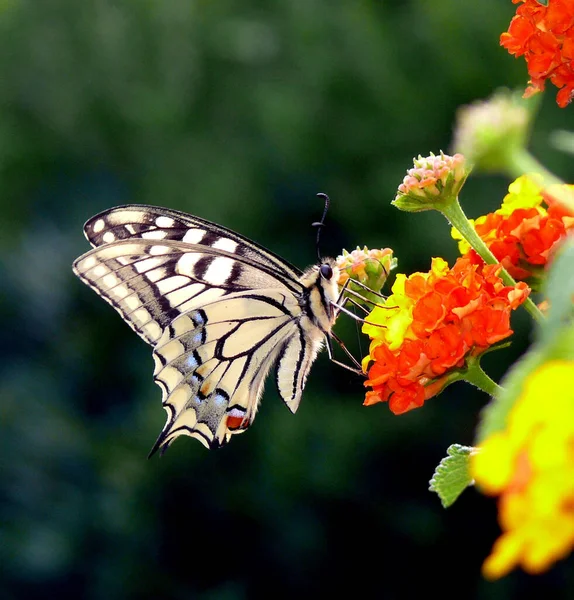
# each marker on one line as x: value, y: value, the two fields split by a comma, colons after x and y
x: 151, y: 284
x: 156, y: 224
x: 218, y: 310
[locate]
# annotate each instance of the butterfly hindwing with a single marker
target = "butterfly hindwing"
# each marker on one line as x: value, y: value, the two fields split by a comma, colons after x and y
x: 211, y: 363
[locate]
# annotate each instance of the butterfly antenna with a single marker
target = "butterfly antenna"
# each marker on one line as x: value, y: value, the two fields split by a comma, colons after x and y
x: 320, y: 224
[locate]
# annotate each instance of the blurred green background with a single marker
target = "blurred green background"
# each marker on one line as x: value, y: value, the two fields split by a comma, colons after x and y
x: 239, y: 112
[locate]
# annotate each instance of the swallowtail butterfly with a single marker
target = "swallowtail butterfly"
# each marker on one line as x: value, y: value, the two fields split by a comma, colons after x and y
x: 218, y: 310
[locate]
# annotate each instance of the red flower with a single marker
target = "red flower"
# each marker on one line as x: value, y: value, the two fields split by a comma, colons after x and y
x: 545, y: 36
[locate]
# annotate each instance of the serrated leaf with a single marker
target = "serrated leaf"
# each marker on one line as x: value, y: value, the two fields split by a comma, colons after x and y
x: 452, y: 475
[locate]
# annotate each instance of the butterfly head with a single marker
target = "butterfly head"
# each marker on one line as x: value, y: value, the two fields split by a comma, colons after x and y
x: 328, y: 278
x: 322, y: 291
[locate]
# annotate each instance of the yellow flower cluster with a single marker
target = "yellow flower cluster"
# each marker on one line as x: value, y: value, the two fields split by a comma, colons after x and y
x: 530, y: 466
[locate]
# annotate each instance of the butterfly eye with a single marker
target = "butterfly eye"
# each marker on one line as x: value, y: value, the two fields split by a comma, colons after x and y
x: 326, y: 271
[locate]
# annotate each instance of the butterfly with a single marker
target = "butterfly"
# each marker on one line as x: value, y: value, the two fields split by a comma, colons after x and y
x: 218, y: 310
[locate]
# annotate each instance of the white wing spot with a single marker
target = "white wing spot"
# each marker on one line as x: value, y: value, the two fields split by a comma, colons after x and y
x: 120, y: 291
x: 186, y: 263
x: 164, y: 222
x: 147, y: 264
x: 153, y: 330
x: 132, y: 302
x: 99, y: 225
x: 156, y: 274
x: 219, y: 270
x: 158, y: 250
x: 88, y: 263
x: 131, y: 229
x: 108, y: 237
x: 171, y: 283
x: 154, y: 234
x: 100, y: 270
x: 142, y: 315
x: 194, y: 236
x: 225, y: 244
x: 110, y: 280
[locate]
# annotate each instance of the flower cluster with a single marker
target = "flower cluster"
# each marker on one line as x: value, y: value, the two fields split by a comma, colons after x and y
x: 362, y: 264
x: 432, y: 181
x: 544, y: 35
x: 430, y: 325
x: 530, y: 465
x: 489, y: 132
x: 523, y: 233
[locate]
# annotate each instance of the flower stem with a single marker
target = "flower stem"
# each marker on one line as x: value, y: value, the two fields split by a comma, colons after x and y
x: 477, y: 377
x: 521, y: 162
x: 455, y: 215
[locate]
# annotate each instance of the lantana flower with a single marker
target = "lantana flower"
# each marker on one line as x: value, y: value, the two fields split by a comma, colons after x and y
x: 523, y: 233
x: 370, y: 268
x: 530, y: 466
x: 544, y: 35
x: 490, y: 132
x: 433, y: 183
x: 426, y: 333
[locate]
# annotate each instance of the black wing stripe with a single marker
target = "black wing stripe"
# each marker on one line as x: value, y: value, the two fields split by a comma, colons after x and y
x: 119, y: 217
x: 178, y: 249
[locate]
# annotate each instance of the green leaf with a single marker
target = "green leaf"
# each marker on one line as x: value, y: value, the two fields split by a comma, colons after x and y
x: 451, y: 476
x: 554, y: 340
x: 559, y: 291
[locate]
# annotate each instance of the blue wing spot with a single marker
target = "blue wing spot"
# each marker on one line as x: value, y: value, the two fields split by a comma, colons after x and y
x: 198, y: 318
x: 220, y: 399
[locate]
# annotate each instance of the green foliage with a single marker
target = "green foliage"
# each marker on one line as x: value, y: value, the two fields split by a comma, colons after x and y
x: 451, y: 476
x: 554, y: 339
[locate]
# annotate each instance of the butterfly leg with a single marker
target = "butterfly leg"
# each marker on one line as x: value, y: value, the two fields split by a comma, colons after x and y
x: 356, y: 369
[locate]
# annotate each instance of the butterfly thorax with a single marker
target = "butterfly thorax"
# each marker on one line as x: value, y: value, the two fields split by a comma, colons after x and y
x: 320, y: 294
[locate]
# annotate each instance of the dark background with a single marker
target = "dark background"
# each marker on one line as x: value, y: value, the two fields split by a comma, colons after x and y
x: 239, y: 112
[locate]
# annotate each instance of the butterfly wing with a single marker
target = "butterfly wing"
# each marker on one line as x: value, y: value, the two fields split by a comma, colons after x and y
x: 218, y: 309
x: 158, y: 224
x: 150, y: 284
x: 211, y: 364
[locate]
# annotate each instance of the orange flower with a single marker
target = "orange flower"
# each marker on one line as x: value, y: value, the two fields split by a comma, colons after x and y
x: 431, y: 324
x: 523, y: 233
x: 545, y: 36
